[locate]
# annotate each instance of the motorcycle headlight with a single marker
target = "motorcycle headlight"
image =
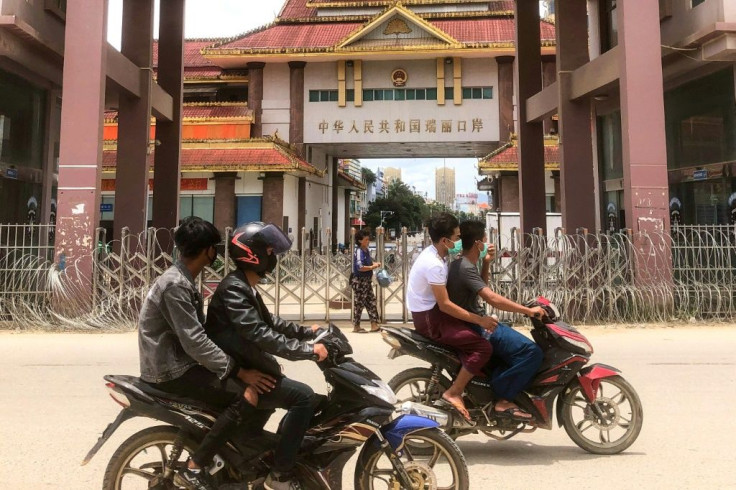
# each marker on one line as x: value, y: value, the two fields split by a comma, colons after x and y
x: 382, y: 391
x: 425, y: 411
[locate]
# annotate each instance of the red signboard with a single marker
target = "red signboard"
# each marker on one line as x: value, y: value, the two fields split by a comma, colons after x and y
x: 194, y: 184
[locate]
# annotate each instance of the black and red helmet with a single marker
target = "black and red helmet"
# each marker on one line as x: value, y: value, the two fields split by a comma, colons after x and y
x: 249, y: 246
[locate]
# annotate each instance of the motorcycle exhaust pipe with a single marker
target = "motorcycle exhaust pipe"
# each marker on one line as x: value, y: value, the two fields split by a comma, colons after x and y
x: 426, y: 411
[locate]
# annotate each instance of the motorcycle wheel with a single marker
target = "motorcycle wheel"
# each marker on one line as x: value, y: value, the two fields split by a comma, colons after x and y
x: 443, y: 467
x: 610, y: 424
x: 413, y: 384
x: 139, y: 461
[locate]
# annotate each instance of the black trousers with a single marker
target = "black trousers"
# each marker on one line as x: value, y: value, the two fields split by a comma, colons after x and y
x: 296, y: 398
x: 225, y: 395
x: 237, y: 414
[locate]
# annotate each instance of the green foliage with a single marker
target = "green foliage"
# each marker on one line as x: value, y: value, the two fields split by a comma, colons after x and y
x: 409, y: 209
x: 368, y: 176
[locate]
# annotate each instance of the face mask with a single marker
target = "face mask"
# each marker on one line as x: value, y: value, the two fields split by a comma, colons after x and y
x: 457, y: 248
x: 272, y: 262
x: 484, y: 252
x: 268, y: 263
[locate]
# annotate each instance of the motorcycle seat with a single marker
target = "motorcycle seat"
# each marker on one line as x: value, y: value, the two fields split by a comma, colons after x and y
x: 435, y: 346
x: 146, y: 391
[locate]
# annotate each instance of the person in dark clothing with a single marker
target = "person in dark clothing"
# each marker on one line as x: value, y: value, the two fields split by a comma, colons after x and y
x: 519, y: 357
x: 239, y: 322
x: 176, y: 355
x: 360, y: 281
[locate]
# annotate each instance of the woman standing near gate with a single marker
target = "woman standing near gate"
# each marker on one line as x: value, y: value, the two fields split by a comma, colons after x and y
x: 360, y: 281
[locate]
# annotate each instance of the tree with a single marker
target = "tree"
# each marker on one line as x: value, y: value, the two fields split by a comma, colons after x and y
x: 408, y: 209
x: 368, y: 176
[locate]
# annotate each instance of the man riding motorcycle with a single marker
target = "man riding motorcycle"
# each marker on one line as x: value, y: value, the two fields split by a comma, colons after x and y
x: 516, y: 358
x: 176, y: 355
x: 239, y: 322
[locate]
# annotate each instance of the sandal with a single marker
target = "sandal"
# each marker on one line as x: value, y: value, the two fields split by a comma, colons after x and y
x: 359, y: 330
x: 513, y: 413
x: 455, y: 407
x: 377, y: 329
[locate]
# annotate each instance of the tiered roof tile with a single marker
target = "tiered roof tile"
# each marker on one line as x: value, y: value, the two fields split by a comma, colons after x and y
x: 236, y: 159
x: 294, y: 36
x: 507, y: 157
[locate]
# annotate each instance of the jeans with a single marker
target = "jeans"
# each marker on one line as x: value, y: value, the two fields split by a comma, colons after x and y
x: 520, y: 358
x: 296, y: 398
x: 224, y: 395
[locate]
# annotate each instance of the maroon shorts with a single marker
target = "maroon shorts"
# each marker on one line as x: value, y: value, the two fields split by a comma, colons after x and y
x: 474, y: 350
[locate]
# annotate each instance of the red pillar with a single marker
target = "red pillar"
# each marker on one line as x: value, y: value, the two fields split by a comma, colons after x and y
x: 255, y: 96
x: 505, y: 97
x: 549, y: 76
x: 80, y: 153
x: 646, y: 191
x: 132, y: 172
x: 296, y: 105
x: 577, y: 179
x: 225, y: 200
x: 273, y: 198
x: 167, y: 159
x: 531, y: 134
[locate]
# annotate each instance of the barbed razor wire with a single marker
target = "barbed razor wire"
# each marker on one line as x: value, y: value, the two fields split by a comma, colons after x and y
x: 621, y: 277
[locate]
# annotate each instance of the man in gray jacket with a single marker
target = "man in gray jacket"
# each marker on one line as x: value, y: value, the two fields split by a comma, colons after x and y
x: 177, y: 356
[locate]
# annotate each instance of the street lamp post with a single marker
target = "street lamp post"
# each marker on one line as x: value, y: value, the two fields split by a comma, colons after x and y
x: 385, y: 213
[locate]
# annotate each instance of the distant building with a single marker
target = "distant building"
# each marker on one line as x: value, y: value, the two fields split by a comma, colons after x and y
x: 467, y: 203
x: 445, y: 186
x: 351, y: 167
x: 390, y: 174
x: 380, y: 185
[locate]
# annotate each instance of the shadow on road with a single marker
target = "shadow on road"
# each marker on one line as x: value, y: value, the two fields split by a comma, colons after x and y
x: 519, y: 453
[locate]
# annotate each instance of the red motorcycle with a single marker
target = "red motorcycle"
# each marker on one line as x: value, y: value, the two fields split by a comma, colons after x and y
x: 599, y: 409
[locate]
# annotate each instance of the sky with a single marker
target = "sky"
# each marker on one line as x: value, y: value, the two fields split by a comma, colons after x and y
x: 419, y: 172
x: 225, y: 18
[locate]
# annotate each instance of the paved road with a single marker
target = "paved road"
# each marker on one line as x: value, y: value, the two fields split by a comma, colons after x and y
x: 53, y: 406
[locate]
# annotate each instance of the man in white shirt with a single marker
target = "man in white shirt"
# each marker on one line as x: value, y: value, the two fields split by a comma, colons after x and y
x: 438, y: 318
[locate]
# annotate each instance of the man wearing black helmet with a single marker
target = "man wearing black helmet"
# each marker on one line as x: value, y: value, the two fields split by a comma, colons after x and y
x: 239, y: 322
x: 176, y: 355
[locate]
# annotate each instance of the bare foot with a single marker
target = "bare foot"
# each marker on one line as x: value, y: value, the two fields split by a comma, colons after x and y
x: 457, y: 402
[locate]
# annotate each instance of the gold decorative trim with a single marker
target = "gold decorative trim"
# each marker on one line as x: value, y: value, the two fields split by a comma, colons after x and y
x: 510, y: 167
x: 341, y: 85
x: 397, y: 9
x: 330, y: 19
x: 457, y: 80
x: 215, y: 104
x: 239, y: 52
x: 382, y: 3
x: 440, y: 81
x: 296, y: 164
x: 358, y: 82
